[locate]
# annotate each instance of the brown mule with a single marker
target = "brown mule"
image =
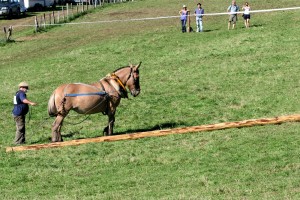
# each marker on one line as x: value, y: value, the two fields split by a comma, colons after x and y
x: 103, y: 96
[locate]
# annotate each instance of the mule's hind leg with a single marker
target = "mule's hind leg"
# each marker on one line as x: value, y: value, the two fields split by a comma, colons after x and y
x: 109, y: 129
x: 56, y: 135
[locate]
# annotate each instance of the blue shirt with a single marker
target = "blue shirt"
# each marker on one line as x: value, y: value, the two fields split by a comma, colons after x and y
x: 183, y: 15
x: 199, y: 12
x: 20, y: 108
x: 233, y: 9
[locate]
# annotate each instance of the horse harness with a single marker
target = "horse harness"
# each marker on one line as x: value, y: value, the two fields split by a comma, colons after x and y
x: 103, y: 92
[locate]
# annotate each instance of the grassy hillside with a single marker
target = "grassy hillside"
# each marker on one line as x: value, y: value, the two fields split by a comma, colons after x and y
x: 186, y: 79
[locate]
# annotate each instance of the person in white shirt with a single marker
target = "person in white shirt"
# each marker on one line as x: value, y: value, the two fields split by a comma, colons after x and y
x: 246, y: 14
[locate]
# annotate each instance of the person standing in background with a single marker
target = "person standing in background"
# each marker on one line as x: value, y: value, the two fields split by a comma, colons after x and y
x: 20, y: 110
x: 246, y: 14
x: 232, y: 9
x: 183, y: 17
x: 199, y: 11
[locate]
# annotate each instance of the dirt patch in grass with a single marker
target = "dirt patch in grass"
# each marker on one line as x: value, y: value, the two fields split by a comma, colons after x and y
x: 127, y: 14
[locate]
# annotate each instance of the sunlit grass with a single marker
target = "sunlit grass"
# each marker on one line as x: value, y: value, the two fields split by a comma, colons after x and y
x: 186, y: 79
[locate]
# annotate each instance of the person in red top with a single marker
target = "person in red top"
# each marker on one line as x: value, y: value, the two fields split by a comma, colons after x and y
x: 20, y: 110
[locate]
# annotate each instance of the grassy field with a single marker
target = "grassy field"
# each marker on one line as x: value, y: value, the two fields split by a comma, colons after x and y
x: 186, y: 79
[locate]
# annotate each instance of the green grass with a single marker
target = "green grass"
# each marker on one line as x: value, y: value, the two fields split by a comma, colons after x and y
x: 186, y: 79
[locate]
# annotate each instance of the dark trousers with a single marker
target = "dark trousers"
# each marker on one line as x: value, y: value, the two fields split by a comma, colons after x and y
x: 183, y: 25
x: 20, y: 133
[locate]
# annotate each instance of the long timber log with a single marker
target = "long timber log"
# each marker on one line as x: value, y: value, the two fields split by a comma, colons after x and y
x: 156, y: 133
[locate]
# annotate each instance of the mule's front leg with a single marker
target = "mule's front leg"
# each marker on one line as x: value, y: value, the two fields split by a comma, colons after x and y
x: 109, y: 129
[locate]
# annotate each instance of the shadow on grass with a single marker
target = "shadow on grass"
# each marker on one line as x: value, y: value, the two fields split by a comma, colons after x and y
x: 256, y: 25
x: 167, y: 125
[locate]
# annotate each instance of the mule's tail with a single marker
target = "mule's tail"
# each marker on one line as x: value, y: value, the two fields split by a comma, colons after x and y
x: 52, y: 110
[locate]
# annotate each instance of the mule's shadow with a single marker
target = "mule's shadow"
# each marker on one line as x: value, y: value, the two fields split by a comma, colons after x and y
x: 167, y: 125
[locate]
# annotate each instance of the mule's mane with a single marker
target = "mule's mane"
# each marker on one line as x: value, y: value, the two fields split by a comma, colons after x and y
x: 121, y: 68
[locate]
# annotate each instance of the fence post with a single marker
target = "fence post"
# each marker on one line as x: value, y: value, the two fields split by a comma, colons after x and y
x: 8, y: 33
x: 63, y: 13
x: 36, y: 24
x: 41, y: 20
x: 50, y: 20
x: 53, y: 17
x: 44, y: 20
x: 72, y: 10
x: 67, y: 7
x: 58, y: 20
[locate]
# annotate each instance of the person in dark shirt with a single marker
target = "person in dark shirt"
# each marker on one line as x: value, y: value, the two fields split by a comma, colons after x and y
x: 20, y: 110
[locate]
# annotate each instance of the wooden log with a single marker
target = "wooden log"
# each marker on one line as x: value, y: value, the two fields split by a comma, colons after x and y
x: 210, y: 127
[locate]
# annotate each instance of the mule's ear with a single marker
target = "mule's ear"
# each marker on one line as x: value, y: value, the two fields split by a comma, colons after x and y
x: 138, y: 65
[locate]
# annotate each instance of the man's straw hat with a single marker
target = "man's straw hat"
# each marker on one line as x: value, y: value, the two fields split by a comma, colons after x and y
x: 23, y: 84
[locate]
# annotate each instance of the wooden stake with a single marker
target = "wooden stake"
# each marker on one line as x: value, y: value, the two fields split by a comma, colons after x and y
x: 8, y: 33
x: 44, y: 20
x: 189, y: 22
x: 211, y: 127
x: 36, y: 24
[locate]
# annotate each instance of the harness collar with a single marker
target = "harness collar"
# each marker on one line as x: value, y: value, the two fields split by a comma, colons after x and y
x: 115, y: 77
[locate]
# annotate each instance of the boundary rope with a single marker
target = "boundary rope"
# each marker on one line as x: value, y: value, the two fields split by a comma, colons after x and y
x: 163, y: 17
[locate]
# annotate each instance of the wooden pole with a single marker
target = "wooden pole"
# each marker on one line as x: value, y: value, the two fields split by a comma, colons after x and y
x: 189, y: 22
x: 50, y: 20
x: 63, y: 13
x: 211, y: 127
x: 53, y: 15
x: 72, y: 10
x: 36, y: 24
x: 67, y: 11
x: 8, y: 33
x: 41, y: 21
x: 44, y: 20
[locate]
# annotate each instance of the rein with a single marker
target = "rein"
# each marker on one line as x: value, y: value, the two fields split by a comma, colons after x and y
x: 85, y: 94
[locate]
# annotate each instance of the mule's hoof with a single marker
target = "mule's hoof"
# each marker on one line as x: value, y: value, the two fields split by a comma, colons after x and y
x: 53, y: 141
x: 105, y: 131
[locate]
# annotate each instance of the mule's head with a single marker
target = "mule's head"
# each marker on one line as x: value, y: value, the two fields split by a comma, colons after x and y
x: 133, y: 81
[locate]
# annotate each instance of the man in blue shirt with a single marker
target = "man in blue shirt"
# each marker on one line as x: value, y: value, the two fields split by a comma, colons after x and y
x: 20, y: 110
x: 199, y: 11
x: 232, y: 9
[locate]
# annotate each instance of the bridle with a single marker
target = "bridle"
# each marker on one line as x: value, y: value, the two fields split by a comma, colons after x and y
x: 131, y: 74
